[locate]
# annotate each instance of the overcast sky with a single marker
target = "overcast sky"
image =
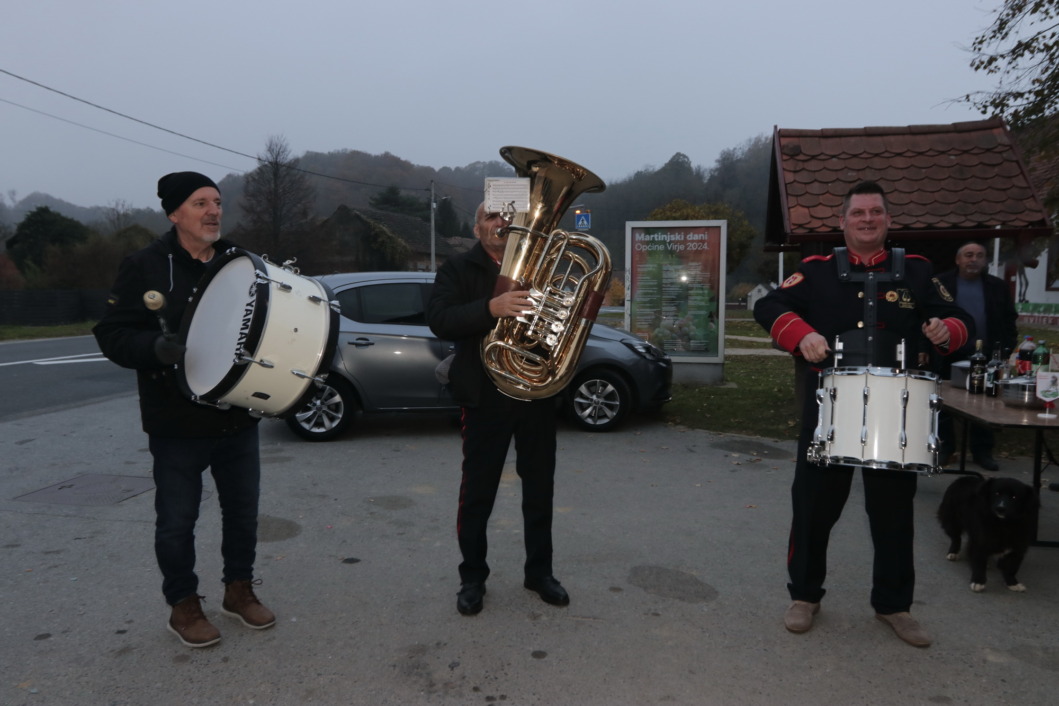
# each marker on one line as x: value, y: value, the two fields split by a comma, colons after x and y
x: 614, y: 85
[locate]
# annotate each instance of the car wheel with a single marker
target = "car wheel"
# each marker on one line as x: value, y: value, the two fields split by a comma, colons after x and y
x: 327, y: 414
x: 598, y: 400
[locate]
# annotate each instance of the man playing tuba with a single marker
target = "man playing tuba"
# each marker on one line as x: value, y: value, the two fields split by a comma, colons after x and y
x: 464, y: 309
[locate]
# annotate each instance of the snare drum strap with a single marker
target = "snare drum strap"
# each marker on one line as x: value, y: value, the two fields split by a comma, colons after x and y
x: 871, y: 280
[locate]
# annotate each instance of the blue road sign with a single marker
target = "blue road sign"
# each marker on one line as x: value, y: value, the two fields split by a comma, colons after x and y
x: 583, y: 220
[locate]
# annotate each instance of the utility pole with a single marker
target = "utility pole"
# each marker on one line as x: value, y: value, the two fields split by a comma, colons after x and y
x: 433, y: 252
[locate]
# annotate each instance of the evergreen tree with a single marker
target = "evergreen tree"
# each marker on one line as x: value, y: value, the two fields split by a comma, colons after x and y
x: 40, y: 229
x: 391, y: 199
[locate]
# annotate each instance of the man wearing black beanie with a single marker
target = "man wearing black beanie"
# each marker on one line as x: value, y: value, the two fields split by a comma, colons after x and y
x: 186, y: 438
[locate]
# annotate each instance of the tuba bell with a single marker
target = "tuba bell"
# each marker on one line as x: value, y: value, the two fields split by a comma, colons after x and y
x: 534, y: 355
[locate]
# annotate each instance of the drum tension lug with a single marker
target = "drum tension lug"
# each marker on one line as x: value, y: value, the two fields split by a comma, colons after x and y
x: 244, y: 357
x: 263, y: 278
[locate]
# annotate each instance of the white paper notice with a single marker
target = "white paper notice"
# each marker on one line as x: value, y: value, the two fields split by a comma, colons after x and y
x: 507, y: 194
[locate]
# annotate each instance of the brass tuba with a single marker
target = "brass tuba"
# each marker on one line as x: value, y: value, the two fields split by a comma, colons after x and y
x: 535, y: 355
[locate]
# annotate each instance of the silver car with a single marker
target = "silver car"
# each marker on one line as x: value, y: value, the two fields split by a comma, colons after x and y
x: 386, y: 358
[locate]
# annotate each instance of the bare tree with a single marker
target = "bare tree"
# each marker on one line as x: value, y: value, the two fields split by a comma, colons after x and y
x: 277, y: 203
x: 1021, y: 49
x: 118, y: 215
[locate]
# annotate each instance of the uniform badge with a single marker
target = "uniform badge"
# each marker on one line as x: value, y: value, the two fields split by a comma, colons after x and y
x: 891, y: 296
x: 794, y: 279
x: 942, y: 292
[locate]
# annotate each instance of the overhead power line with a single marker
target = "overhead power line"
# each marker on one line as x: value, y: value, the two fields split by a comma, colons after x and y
x: 179, y: 134
x: 118, y: 137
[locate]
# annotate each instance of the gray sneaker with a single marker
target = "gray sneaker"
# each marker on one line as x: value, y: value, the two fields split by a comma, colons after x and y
x: 799, y: 617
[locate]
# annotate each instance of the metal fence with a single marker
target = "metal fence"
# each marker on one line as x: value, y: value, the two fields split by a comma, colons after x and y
x: 49, y: 307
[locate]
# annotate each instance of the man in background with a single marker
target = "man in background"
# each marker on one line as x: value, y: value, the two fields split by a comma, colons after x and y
x: 988, y: 300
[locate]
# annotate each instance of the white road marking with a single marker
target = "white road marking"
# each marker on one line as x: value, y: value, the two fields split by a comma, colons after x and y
x: 61, y: 360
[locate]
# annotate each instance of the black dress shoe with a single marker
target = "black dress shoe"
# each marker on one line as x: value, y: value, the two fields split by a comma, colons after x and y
x: 469, y: 599
x: 987, y: 462
x: 549, y: 590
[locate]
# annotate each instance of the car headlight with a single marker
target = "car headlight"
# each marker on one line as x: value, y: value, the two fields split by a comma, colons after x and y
x: 644, y: 349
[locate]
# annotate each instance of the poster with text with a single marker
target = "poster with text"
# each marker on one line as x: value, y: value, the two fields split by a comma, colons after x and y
x: 674, y: 293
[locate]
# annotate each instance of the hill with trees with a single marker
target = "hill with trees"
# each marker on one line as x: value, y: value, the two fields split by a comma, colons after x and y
x: 289, y: 207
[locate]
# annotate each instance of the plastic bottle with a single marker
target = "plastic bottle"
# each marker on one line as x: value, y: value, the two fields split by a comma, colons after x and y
x: 976, y: 375
x: 1025, y: 356
x: 1041, y: 357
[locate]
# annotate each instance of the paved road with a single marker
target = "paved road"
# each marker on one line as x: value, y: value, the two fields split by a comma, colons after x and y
x: 670, y: 541
x: 57, y: 373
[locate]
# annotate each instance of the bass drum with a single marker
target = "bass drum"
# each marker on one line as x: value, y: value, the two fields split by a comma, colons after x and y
x: 257, y: 335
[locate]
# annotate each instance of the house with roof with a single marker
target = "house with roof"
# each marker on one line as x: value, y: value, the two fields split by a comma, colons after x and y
x: 946, y: 184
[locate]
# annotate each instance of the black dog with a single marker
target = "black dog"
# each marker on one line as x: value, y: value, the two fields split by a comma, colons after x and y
x: 998, y: 515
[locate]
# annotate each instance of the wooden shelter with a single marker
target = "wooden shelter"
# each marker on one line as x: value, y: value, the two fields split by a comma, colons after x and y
x: 946, y: 184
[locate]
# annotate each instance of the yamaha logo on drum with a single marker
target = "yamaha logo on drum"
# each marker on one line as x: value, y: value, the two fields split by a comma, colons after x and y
x: 248, y: 317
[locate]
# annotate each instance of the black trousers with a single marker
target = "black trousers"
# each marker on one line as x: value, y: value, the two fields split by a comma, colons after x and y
x: 487, y: 433
x: 980, y: 439
x: 819, y: 494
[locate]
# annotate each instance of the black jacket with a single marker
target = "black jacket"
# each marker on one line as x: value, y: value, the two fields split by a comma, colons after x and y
x: 459, y: 311
x: 127, y: 332
x: 815, y: 299
x: 1000, y: 315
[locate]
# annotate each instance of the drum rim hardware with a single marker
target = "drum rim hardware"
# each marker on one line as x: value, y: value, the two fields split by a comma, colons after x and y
x: 824, y: 435
x: 308, y: 332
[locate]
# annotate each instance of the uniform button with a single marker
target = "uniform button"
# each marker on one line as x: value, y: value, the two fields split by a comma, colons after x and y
x: 860, y: 324
x: 860, y: 295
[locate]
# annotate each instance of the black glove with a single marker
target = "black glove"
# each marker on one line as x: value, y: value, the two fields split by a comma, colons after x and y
x: 168, y: 351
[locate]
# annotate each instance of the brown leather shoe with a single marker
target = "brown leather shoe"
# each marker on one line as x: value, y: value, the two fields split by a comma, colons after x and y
x: 240, y: 602
x: 799, y: 617
x: 188, y: 622
x: 907, y: 628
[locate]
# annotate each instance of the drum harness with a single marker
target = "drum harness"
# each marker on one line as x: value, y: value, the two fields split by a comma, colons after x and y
x: 871, y: 282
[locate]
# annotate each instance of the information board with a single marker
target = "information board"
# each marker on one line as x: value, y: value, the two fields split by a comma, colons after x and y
x: 675, y: 286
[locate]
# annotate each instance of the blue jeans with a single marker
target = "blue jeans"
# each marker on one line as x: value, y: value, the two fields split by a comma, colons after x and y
x: 178, y: 467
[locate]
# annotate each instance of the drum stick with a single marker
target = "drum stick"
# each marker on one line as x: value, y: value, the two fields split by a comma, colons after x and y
x: 155, y: 301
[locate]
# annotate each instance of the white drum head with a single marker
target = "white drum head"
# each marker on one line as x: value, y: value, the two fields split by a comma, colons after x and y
x: 221, y: 325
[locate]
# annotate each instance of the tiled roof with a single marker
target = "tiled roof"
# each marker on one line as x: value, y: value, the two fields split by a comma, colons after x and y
x: 963, y: 180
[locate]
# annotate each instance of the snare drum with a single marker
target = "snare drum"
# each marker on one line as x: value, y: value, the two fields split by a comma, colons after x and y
x: 257, y: 335
x: 877, y: 418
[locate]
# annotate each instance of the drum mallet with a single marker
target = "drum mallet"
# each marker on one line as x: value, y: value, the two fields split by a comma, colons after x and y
x: 155, y: 301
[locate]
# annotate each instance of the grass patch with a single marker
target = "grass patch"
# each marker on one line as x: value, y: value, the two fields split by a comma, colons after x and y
x: 756, y: 399
x: 19, y: 333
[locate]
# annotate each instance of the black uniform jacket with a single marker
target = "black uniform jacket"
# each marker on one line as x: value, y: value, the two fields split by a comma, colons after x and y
x: 459, y: 311
x: 814, y: 299
x: 1000, y: 315
x: 127, y: 332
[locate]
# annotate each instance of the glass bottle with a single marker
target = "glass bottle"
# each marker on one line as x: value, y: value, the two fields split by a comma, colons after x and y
x: 994, y: 371
x: 976, y: 375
